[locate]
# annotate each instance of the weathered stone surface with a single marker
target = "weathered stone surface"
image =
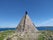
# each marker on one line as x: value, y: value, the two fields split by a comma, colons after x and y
x: 26, y: 25
x: 25, y: 30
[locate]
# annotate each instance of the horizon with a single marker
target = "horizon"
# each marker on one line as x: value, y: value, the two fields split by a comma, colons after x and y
x: 12, y: 11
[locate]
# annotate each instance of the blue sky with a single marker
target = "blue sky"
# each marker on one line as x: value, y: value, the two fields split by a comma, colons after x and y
x: 40, y: 11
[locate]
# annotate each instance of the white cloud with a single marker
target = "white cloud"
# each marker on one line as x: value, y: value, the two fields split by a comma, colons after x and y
x: 47, y: 23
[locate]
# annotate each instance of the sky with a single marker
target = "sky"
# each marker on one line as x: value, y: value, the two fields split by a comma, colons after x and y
x: 40, y: 12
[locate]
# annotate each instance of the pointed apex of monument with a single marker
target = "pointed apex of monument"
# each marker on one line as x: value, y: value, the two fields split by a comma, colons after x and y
x: 26, y: 12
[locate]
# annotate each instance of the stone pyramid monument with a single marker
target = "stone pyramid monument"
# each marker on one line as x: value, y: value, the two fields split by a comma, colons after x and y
x: 26, y: 24
x: 25, y: 30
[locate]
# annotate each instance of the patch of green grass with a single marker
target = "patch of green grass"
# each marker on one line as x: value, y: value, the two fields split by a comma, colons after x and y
x: 42, y: 36
x: 46, y: 35
x: 5, y: 33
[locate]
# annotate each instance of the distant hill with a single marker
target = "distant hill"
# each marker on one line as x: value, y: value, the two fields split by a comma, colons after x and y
x: 39, y: 28
x: 45, y: 28
x: 3, y: 29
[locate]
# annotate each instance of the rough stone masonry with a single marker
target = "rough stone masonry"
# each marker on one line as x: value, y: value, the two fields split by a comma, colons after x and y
x: 26, y: 30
